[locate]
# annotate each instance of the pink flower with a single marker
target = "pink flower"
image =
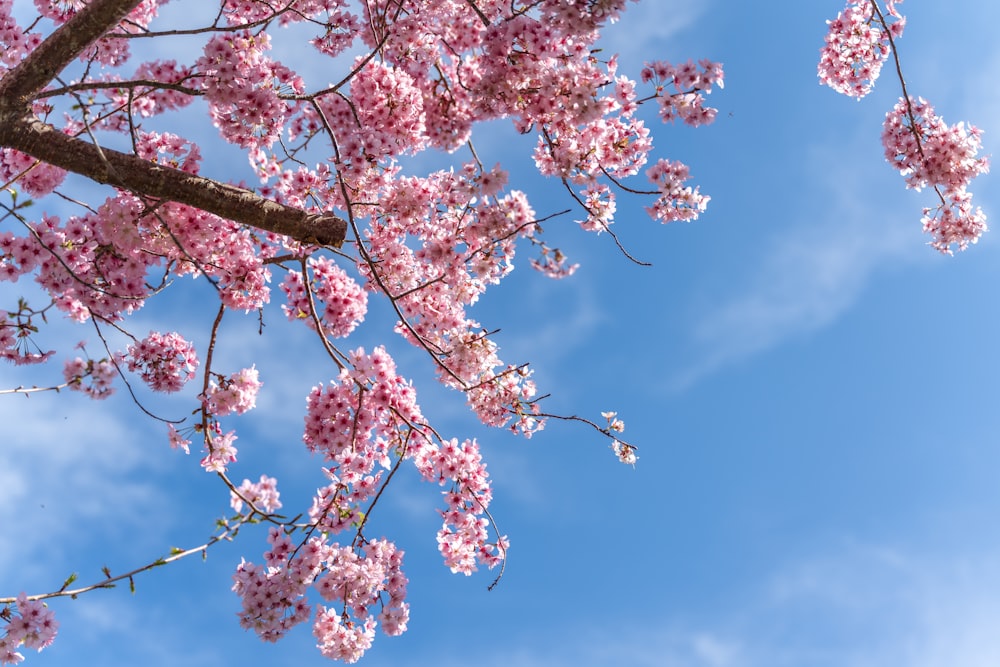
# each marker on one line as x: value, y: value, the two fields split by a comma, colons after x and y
x: 690, y: 84
x: 177, y: 441
x: 164, y: 361
x: 856, y: 47
x: 33, y: 177
x: 344, y: 304
x: 31, y: 625
x: 929, y: 152
x: 263, y: 495
x: 93, y: 378
x: 676, y: 201
x: 236, y: 393
x: 221, y: 451
x: 625, y: 453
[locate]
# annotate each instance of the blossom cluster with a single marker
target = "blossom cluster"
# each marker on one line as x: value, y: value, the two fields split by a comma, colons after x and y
x: 366, y: 418
x: 360, y: 419
x: 676, y: 201
x: 235, y: 393
x: 926, y: 151
x: 35, y: 178
x: 929, y: 152
x: 220, y: 451
x: 463, y: 538
x: 432, y: 244
x: 465, y: 245
x: 15, y: 43
x: 31, y: 625
x: 690, y: 82
x: 100, y: 264
x: 242, y: 86
x: 164, y: 361
x: 344, y: 302
x: 15, y: 338
x: 273, y: 594
x: 356, y: 579
x: 149, y: 101
x: 93, y: 378
x: 857, y: 44
x: 262, y: 495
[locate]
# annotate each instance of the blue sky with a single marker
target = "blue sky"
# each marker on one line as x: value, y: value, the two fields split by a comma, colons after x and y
x: 812, y: 388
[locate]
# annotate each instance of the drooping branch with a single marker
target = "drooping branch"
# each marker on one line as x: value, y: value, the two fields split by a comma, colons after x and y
x: 21, y: 130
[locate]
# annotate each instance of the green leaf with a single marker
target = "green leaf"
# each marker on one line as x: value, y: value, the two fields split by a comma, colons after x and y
x: 69, y: 580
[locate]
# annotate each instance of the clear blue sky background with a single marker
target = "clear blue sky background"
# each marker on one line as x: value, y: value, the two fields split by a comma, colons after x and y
x: 813, y: 390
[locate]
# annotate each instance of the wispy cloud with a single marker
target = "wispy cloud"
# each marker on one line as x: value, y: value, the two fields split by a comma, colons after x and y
x: 636, y: 644
x: 892, y: 606
x: 67, y: 479
x: 811, y: 271
x: 646, y: 28
x: 857, y: 605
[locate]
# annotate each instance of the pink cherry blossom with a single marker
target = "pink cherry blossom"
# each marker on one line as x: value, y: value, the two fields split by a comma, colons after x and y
x: 677, y: 201
x: 35, y: 178
x: 164, y: 361
x: 857, y: 45
x: 930, y: 153
x: 220, y: 451
x: 624, y: 452
x: 681, y: 89
x: 16, y: 344
x: 345, y: 141
x: 178, y: 441
x: 93, y: 378
x: 343, y: 302
x: 263, y: 494
x: 236, y: 393
x: 32, y: 625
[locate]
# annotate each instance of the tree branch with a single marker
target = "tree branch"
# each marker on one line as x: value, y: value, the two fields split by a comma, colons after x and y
x: 128, y: 172
x: 21, y: 130
x: 60, y: 48
x: 226, y: 534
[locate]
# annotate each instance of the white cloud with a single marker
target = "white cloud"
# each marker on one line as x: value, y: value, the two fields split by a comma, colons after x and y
x: 646, y: 28
x: 70, y: 473
x: 556, y: 319
x: 858, y: 605
x: 811, y: 271
x: 884, y: 606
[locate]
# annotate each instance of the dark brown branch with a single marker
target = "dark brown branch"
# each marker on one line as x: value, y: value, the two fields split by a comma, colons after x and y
x: 128, y: 172
x: 118, y: 85
x: 20, y: 130
x: 66, y: 43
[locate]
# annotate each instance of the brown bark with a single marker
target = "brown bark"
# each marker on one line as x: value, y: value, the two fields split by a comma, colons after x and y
x: 66, y: 43
x: 21, y: 130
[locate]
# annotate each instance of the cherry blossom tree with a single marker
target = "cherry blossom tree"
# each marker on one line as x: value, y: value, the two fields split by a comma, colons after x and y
x: 336, y: 220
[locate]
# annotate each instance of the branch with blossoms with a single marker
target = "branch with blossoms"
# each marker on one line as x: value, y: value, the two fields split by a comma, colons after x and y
x: 31, y: 624
x: 22, y: 132
x: 431, y: 245
x: 339, y: 219
x: 925, y: 150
